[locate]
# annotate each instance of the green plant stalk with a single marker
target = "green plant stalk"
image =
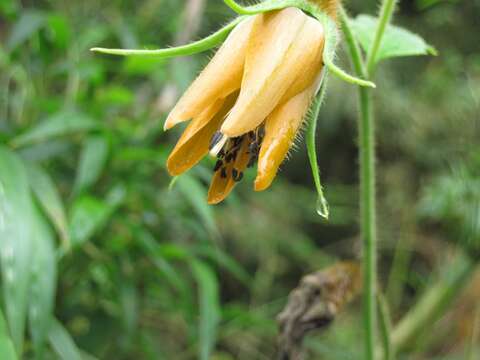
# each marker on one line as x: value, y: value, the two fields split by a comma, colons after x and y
x: 368, y: 217
x: 433, y: 303
x: 366, y: 127
x: 367, y: 168
x: 386, y: 13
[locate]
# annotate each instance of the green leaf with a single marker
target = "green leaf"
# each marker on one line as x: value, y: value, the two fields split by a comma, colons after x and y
x: 60, y: 124
x: 16, y: 241
x: 28, y: 25
x: 43, y: 283
x: 90, y: 214
x: 154, y: 252
x: 209, y: 307
x: 47, y: 194
x: 396, y: 40
x: 62, y: 343
x: 92, y: 161
x: 227, y: 262
x: 6, y: 345
x: 195, y: 194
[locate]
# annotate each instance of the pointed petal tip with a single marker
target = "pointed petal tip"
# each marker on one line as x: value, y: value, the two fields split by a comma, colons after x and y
x: 214, y: 201
x: 262, y: 182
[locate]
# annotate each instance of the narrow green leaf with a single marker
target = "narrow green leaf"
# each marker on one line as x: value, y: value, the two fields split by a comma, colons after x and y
x: 16, y: 241
x: 154, y: 252
x: 7, y: 349
x: 385, y: 322
x: 195, y: 194
x: 60, y: 124
x: 90, y: 214
x: 209, y: 307
x: 92, y: 161
x: 62, y: 343
x: 227, y: 262
x: 43, y: 283
x: 49, y: 198
x: 396, y: 40
x: 28, y: 25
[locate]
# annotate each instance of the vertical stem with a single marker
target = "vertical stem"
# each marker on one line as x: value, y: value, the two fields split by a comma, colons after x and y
x: 366, y: 127
x: 386, y: 12
x: 368, y: 216
x: 367, y: 167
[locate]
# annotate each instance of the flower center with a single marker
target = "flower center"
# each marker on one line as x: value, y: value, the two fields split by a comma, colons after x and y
x: 228, y: 150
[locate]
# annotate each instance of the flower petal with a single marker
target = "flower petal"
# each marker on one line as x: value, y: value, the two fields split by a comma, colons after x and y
x: 310, y: 73
x: 222, y: 76
x: 194, y: 143
x: 281, y: 47
x: 280, y: 130
x: 221, y: 186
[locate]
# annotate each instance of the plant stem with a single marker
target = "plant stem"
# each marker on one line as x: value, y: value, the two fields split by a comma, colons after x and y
x: 367, y: 216
x: 386, y: 12
x: 433, y: 303
x: 366, y: 127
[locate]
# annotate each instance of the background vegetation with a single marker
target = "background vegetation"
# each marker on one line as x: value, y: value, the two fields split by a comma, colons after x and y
x: 105, y: 261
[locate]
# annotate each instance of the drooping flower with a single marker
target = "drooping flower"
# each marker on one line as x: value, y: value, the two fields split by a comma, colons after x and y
x: 248, y: 104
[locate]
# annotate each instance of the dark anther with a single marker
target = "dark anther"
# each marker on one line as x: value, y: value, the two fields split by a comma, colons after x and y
x: 252, y: 161
x: 253, y: 148
x: 237, y: 140
x: 218, y: 165
x: 221, y: 154
x: 229, y: 157
x: 252, y: 135
x: 261, y: 132
x: 223, y: 173
x: 217, y: 136
x: 237, y: 175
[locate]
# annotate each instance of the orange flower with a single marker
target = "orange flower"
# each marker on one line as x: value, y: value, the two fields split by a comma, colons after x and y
x: 250, y: 101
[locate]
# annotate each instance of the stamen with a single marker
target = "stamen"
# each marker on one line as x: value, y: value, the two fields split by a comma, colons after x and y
x: 218, y: 144
x: 217, y: 136
x: 218, y: 165
x: 261, y: 132
x: 251, y: 161
x: 237, y: 175
x: 223, y: 173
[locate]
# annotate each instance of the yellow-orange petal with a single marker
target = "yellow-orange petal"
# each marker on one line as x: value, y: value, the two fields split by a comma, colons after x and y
x: 220, y: 186
x: 280, y: 130
x: 194, y: 143
x: 281, y: 46
x: 311, y: 70
x: 222, y: 76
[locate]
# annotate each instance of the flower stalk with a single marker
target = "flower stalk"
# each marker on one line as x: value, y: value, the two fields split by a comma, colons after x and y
x: 366, y: 127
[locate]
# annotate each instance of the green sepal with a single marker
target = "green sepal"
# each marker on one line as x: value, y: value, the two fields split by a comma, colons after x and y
x: 322, y: 204
x: 184, y: 50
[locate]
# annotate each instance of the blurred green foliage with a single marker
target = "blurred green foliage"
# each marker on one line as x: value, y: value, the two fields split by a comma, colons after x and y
x: 110, y: 263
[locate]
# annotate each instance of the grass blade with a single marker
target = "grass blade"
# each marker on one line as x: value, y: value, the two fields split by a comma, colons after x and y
x: 16, y: 242
x: 62, y: 343
x: 49, y: 198
x: 209, y: 307
x: 92, y: 161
